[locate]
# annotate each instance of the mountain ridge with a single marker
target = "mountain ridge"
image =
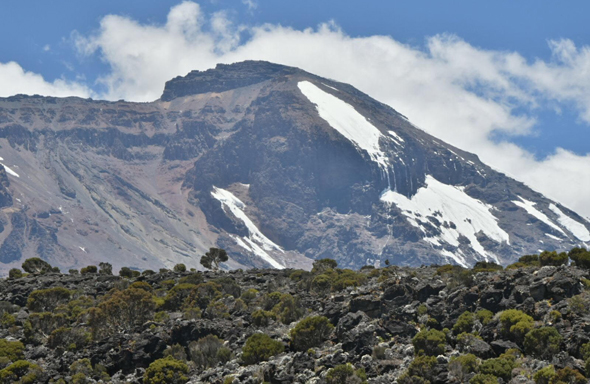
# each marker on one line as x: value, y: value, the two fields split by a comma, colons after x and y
x: 136, y: 181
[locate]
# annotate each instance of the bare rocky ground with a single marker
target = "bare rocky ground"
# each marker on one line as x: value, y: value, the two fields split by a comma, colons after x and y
x: 394, y: 324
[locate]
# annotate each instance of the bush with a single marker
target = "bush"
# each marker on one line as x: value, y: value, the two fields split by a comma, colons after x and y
x: 581, y: 257
x: 261, y: 318
x: 461, y: 366
x: 105, y: 268
x: 122, y: 311
x: 176, y: 351
x: 249, y: 295
x: 486, y: 266
x: 208, y: 351
x: 544, y: 375
x: 515, y: 324
x: 166, y: 371
x: 46, y: 300
x: 553, y: 258
x: 15, y: 273
x: 22, y: 372
x: 344, y: 374
x: 89, y: 269
x: 193, y: 278
x: 570, y: 376
x: 12, y: 350
x: 429, y: 342
x: 310, y: 332
x: 464, y: 323
x: 484, y: 316
x: 36, y: 265
x: 288, y: 309
x: 229, y: 286
x: 483, y: 379
x: 179, y: 268
x: 126, y: 272
x: 542, y: 342
x: 423, y: 367
x: 498, y: 367
x: 322, y: 265
x: 260, y: 347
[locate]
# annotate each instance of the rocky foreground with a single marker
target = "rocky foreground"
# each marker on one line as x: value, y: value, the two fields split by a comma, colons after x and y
x: 526, y: 324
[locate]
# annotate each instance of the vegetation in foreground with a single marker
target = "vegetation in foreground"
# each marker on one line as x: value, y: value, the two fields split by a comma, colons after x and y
x: 527, y: 323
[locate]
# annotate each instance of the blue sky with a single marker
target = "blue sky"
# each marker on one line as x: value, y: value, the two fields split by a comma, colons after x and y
x: 508, y: 80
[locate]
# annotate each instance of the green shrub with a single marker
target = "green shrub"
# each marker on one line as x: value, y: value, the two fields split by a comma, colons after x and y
x: 581, y: 257
x: 515, y: 324
x: 322, y: 265
x: 464, y: 323
x: 142, y: 285
x: 481, y: 378
x: 208, y: 351
x: 166, y: 371
x: 126, y: 272
x: 260, y: 347
x: 570, y: 376
x: 310, y: 332
x: 20, y: 372
x: 12, y: 350
x: 344, y: 374
x: 544, y: 375
x: 249, y: 295
x: 15, y: 273
x: 429, y: 342
x: 467, y: 363
x: 486, y: 266
x: 190, y: 295
x: 122, y: 310
x: 423, y: 367
x: 193, y: 278
x: 105, y: 268
x: 498, y: 367
x: 176, y: 351
x: 542, y: 342
x: 162, y: 316
x: 288, y: 309
x: 46, y: 300
x: 229, y: 286
x: 530, y: 260
x: 179, y: 268
x: 552, y: 258
x: 484, y: 316
x: 148, y: 272
x: 82, y: 372
x: 7, y: 320
x: 36, y: 265
x: 321, y: 283
x: 261, y: 318
x: 89, y: 269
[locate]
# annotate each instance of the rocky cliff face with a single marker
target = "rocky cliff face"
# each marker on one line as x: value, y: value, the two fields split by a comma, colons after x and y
x: 274, y: 164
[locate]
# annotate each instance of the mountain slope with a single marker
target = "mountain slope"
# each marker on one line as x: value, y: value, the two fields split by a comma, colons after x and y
x: 272, y: 163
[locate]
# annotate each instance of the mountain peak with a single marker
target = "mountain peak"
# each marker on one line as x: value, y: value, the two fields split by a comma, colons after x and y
x: 224, y: 77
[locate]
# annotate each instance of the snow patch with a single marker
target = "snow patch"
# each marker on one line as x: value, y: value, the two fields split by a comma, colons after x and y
x: 577, y: 229
x: 345, y: 119
x: 8, y: 170
x: 529, y: 206
x: 256, y: 242
x: 553, y: 237
x: 330, y: 87
x: 449, y: 204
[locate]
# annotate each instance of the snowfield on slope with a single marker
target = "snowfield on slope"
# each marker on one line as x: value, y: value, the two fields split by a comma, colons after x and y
x: 577, y: 229
x: 256, y: 243
x: 450, y: 204
x: 529, y: 206
x: 345, y: 119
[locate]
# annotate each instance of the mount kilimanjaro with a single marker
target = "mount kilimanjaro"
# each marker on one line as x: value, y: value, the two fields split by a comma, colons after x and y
x: 274, y: 164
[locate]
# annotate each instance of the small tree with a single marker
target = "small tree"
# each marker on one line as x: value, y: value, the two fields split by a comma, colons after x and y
x: 36, y: 265
x: 212, y: 258
x: 105, y: 268
x: 180, y: 268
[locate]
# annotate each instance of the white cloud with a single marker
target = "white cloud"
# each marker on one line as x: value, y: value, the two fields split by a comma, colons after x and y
x: 460, y: 93
x: 16, y: 80
x: 251, y: 4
